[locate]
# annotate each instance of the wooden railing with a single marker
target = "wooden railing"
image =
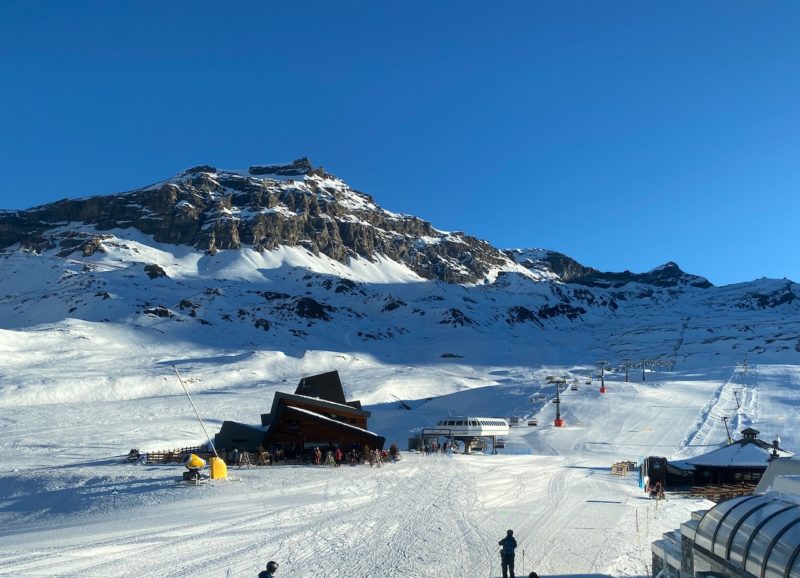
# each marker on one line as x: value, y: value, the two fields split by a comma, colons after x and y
x: 174, y: 456
x: 722, y: 492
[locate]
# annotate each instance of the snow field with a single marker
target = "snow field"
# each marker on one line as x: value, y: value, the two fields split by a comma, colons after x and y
x: 69, y: 507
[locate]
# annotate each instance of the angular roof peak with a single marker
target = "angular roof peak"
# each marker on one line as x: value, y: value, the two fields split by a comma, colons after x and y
x: 325, y: 386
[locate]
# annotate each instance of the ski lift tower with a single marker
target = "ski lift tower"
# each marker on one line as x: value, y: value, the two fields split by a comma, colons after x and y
x: 602, y: 365
x: 626, y: 363
x: 727, y: 431
x: 558, y: 421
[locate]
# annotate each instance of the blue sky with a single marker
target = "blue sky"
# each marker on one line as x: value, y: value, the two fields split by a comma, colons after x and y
x: 624, y: 134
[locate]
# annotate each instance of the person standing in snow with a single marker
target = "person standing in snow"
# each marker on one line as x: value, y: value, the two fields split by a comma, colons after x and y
x: 272, y: 567
x: 509, y: 544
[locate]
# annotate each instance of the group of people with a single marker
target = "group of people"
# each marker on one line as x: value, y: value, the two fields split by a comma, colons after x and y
x: 436, y: 448
x: 334, y: 457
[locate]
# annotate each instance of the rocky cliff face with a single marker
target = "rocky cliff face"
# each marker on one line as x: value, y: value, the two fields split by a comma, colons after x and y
x: 269, y: 206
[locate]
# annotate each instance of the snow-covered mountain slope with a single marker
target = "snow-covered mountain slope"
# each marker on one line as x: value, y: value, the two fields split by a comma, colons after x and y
x: 289, y: 259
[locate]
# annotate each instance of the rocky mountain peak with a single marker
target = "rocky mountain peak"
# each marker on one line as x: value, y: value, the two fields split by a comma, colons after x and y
x: 299, y: 167
x: 264, y: 207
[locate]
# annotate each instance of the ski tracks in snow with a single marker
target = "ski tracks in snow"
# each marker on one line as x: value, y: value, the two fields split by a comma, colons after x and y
x: 710, y: 425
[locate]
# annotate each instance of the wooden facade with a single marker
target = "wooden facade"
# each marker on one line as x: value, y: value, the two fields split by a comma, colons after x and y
x: 302, y: 428
x: 317, y: 414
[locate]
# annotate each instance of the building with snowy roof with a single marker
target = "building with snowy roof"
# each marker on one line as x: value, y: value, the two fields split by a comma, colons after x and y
x: 741, y: 462
x: 317, y: 414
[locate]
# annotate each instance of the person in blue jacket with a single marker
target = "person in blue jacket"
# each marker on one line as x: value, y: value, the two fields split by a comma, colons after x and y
x: 509, y: 544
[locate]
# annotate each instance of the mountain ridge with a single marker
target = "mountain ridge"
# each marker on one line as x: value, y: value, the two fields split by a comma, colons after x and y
x: 272, y: 262
x: 296, y: 204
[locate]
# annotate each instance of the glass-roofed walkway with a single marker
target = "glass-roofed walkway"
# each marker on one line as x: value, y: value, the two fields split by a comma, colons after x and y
x: 748, y: 537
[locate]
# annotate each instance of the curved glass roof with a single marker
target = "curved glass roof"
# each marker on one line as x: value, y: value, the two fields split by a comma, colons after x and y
x: 757, y: 533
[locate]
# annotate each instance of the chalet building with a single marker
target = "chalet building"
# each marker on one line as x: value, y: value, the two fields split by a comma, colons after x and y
x: 741, y: 462
x: 316, y: 414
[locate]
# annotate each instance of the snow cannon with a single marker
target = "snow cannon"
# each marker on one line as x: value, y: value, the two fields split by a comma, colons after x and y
x: 194, y: 464
x: 219, y: 471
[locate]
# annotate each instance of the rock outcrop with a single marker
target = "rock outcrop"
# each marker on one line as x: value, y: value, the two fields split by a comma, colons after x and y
x: 271, y: 206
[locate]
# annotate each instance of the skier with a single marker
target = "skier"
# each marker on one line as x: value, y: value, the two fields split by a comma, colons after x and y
x: 509, y: 544
x: 272, y: 567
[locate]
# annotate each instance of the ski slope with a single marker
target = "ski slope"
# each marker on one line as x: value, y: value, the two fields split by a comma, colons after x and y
x: 69, y: 507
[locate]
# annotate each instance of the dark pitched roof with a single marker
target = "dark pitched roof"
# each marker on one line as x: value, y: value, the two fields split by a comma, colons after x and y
x: 379, y: 440
x: 324, y: 405
x: 331, y: 406
x: 326, y: 386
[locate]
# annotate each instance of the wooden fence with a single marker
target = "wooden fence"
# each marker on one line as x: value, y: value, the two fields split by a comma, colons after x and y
x: 622, y: 468
x: 720, y: 493
x: 174, y: 456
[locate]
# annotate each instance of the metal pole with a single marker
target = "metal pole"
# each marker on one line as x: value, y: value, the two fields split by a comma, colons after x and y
x: 725, y: 421
x: 213, y: 449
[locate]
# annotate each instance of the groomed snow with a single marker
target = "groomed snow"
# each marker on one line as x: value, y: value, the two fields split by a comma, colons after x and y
x: 70, y: 507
